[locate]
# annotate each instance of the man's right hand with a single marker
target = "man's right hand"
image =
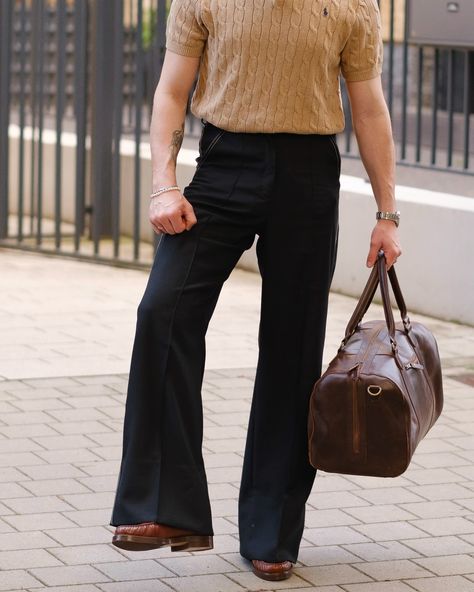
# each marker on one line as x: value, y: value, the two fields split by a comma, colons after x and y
x: 171, y: 213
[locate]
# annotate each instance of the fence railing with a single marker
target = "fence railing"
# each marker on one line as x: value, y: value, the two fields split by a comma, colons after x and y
x: 76, y: 85
x: 430, y: 95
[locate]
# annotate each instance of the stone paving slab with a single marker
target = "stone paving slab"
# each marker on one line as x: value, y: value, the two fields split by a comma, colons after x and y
x: 60, y: 436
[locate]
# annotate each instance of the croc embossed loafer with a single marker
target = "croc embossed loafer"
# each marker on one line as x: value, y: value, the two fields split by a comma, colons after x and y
x: 149, y: 535
x: 272, y: 571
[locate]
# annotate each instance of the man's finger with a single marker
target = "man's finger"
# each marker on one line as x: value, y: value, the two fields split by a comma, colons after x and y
x: 392, y: 259
x: 158, y: 223
x: 372, y: 256
x: 177, y: 223
x: 167, y: 225
x: 189, y: 217
x: 155, y: 225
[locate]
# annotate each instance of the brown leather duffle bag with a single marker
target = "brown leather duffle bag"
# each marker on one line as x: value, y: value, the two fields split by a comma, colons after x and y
x: 381, y: 393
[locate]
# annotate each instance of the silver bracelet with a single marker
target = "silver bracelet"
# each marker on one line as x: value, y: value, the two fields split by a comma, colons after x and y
x: 163, y: 190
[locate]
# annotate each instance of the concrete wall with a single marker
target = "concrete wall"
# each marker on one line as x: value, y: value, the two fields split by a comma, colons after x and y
x: 437, y: 236
x: 437, y: 229
x: 68, y: 143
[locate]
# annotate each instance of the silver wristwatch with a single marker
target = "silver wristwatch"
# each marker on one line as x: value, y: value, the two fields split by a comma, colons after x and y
x: 393, y: 216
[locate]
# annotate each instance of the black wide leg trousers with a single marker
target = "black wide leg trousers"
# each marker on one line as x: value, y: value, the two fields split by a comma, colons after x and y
x: 284, y: 188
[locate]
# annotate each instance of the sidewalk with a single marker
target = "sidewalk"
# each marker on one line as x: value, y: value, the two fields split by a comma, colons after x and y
x: 65, y: 343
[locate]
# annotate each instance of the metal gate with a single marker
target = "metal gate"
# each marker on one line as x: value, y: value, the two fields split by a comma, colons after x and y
x: 76, y: 85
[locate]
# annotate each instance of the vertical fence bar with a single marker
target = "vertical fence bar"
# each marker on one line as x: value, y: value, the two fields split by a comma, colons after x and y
x: 6, y: 13
x: 80, y: 109
x: 391, y: 56
x: 40, y: 90
x: 117, y: 125
x: 33, y: 11
x: 138, y: 127
x: 21, y: 121
x: 160, y: 38
x: 404, y: 85
x: 419, y: 105
x: 130, y: 64
x: 434, y: 112
x: 102, y: 97
x: 158, y: 50
x: 60, y: 100
x: 466, y: 108
x: 450, y: 107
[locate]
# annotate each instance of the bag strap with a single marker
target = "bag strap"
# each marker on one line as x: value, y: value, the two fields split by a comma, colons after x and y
x: 384, y: 289
x: 363, y: 305
x: 378, y: 276
x: 399, y: 298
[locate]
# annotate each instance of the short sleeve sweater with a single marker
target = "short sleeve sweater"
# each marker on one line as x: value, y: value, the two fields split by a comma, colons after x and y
x: 274, y: 65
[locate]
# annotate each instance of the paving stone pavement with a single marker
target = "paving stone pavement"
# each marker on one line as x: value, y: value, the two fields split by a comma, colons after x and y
x: 67, y: 330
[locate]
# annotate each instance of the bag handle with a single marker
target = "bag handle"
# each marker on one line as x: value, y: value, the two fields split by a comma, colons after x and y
x: 384, y: 290
x: 399, y: 298
x: 380, y: 276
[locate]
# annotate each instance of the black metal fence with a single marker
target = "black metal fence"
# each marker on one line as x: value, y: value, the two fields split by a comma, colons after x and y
x: 76, y: 85
x: 430, y: 95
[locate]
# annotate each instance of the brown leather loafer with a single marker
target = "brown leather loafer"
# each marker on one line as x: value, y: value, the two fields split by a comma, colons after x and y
x: 272, y: 571
x: 149, y: 535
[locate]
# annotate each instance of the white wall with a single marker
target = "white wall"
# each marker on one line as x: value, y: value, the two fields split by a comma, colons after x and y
x: 436, y: 271
x: 437, y: 236
x: 437, y: 229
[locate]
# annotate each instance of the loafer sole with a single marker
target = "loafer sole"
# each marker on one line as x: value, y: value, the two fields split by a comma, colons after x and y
x: 131, y: 542
x: 273, y: 576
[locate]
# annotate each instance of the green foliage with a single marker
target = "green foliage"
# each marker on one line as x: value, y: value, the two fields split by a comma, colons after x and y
x: 148, y: 28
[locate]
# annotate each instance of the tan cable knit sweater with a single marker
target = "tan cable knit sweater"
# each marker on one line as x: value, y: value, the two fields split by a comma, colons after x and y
x: 274, y: 65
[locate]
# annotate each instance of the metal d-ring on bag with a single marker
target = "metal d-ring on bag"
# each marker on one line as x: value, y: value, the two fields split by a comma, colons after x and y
x: 381, y: 393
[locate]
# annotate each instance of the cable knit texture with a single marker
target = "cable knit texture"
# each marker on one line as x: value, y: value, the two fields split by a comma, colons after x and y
x: 274, y: 65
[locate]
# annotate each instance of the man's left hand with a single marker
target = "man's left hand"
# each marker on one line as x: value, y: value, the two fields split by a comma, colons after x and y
x: 385, y: 237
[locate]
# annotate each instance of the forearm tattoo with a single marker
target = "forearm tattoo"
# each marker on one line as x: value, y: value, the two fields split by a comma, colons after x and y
x: 176, y: 141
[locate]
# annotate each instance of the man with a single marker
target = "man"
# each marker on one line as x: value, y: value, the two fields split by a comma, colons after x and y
x: 269, y: 99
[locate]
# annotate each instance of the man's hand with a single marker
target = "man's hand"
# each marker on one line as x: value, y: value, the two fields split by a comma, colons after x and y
x: 171, y: 213
x: 384, y: 236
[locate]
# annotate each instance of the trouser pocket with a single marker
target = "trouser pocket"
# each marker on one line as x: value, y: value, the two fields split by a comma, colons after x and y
x: 210, y: 136
x: 337, y: 153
